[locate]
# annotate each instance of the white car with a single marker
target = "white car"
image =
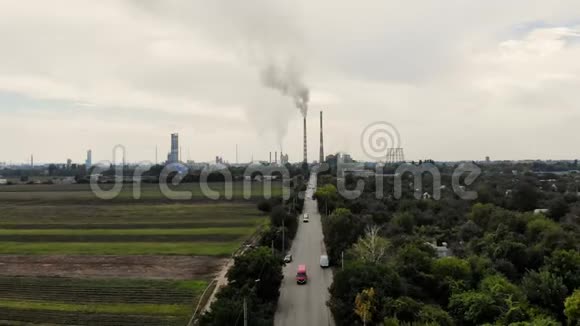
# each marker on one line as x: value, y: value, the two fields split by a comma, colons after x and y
x: 305, y: 218
x: 324, y: 262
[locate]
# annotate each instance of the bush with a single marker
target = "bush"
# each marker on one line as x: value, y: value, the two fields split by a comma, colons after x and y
x: 354, y: 279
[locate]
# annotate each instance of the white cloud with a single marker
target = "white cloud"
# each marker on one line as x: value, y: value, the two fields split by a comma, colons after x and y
x: 460, y: 80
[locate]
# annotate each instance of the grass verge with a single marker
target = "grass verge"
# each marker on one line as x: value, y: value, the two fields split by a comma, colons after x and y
x: 133, y: 248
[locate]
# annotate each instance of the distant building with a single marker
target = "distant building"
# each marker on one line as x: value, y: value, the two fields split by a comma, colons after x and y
x: 284, y: 159
x: 441, y: 251
x: 173, y: 156
x: 487, y: 159
x: 68, y: 163
x: 89, y: 161
x: 346, y: 158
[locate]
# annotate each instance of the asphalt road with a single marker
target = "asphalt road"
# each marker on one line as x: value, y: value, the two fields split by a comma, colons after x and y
x: 305, y: 305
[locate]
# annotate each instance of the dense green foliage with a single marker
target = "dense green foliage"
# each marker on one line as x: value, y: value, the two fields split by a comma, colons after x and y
x: 255, y: 277
x: 459, y: 262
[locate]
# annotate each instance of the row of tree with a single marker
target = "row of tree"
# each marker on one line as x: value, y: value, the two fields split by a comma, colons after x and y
x: 490, y: 261
x: 256, y: 276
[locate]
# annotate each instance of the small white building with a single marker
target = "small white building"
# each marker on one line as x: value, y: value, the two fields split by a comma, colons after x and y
x: 442, y: 251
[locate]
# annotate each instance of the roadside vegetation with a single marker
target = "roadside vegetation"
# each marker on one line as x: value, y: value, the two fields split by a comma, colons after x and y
x: 490, y: 261
x: 256, y: 276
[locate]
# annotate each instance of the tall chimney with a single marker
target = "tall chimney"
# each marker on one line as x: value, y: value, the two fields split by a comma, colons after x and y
x: 270, y: 157
x: 305, y: 146
x: 321, y: 141
x: 275, y: 157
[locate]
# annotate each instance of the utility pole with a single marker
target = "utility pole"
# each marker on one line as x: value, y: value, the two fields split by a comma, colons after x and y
x: 283, y: 238
x: 245, y: 313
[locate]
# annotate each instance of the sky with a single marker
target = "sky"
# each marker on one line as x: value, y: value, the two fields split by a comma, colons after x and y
x: 445, y: 80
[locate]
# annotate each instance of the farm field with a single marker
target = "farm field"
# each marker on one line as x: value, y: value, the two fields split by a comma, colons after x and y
x: 97, y: 301
x: 151, y: 193
x: 68, y: 258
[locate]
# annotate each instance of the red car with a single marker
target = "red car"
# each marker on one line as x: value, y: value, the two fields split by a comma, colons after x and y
x: 301, y: 276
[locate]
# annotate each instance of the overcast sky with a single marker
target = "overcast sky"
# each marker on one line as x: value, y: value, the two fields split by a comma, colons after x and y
x: 457, y: 79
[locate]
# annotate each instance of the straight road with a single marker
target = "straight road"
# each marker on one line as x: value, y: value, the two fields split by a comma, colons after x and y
x: 305, y: 305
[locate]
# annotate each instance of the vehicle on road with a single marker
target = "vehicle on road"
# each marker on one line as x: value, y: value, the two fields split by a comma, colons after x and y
x: 288, y: 258
x: 305, y: 218
x: 324, y: 262
x: 301, y: 276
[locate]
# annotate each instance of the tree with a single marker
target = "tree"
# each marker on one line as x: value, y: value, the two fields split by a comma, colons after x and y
x: 558, y: 208
x: 474, y: 308
x: 405, y: 221
x: 501, y: 289
x: 414, y: 264
x: 470, y: 230
x: 260, y: 269
x: 265, y: 206
x: 277, y: 215
x: 225, y: 309
x: 572, y: 308
x: 365, y: 305
x: 545, y: 289
x: 538, y: 321
x: 341, y: 230
x: 452, y: 269
x: 353, y: 280
x: 496, y: 300
x: 436, y: 315
x: 451, y: 273
x: 371, y: 248
x: 565, y: 264
x: 328, y: 195
x: 403, y: 308
x: 526, y: 196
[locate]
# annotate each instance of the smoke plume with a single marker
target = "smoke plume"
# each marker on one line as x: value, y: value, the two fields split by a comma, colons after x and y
x: 288, y: 80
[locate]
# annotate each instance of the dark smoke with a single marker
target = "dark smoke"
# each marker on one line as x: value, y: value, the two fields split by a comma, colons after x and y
x: 288, y: 80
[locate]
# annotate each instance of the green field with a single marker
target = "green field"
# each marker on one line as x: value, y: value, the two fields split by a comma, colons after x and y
x: 122, y: 229
x: 68, y: 220
x: 82, y: 193
x: 97, y: 301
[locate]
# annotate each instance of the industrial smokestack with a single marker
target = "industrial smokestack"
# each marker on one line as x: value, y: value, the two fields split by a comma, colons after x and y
x: 321, y: 141
x: 270, y: 158
x: 305, y: 146
x: 275, y: 157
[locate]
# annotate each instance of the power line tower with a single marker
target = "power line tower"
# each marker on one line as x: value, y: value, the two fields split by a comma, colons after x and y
x: 395, y: 155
